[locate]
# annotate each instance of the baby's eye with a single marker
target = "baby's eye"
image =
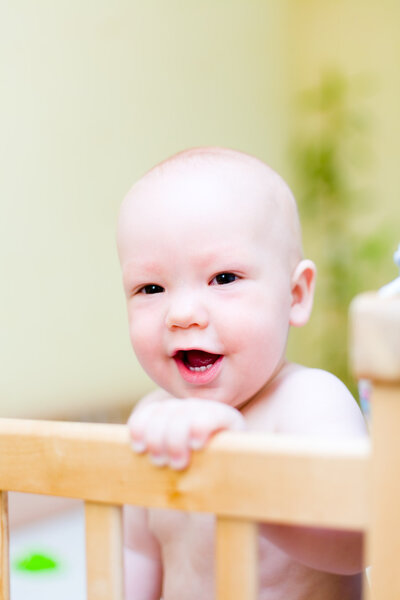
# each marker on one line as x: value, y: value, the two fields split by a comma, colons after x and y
x: 223, y: 278
x: 151, y: 288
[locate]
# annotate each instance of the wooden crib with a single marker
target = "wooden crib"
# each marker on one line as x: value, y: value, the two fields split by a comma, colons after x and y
x: 242, y: 478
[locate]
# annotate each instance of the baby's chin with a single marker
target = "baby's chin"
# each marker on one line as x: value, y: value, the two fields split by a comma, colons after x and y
x: 212, y: 394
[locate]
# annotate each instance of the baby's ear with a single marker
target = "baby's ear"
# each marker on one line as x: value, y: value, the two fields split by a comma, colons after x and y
x: 303, y: 283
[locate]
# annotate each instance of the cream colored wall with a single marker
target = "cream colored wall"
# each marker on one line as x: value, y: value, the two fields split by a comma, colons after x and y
x: 359, y: 39
x: 93, y: 94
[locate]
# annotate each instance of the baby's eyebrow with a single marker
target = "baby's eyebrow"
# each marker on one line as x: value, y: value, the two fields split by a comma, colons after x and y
x: 207, y: 256
x: 140, y: 268
x: 222, y: 255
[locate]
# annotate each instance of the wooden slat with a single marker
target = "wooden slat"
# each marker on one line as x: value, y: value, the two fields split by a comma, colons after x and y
x: 256, y: 476
x: 236, y: 559
x: 384, y: 535
x: 375, y: 337
x: 375, y: 355
x: 4, y: 548
x: 104, y: 551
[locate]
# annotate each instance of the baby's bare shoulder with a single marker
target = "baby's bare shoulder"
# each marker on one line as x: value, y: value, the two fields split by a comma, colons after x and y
x: 314, y: 402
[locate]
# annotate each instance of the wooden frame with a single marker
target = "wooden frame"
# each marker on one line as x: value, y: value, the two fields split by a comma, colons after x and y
x: 375, y: 355
x: 242, y: 478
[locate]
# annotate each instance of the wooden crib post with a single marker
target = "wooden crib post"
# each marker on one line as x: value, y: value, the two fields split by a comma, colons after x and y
x: 104, y: 551
x: 237, y: 559
x: 375, y: 355
x: 4, y: 548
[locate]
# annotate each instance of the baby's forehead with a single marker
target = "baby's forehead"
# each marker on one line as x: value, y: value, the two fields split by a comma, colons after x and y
x: 241, y: 184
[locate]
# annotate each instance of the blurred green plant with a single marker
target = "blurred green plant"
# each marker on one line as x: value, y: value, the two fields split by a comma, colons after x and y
x: 332, y: 159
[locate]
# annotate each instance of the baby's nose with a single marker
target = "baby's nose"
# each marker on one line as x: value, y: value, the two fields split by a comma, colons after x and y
x: 186, y: 310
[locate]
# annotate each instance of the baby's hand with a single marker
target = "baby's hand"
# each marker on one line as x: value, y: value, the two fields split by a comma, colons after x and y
x: 170, y: 429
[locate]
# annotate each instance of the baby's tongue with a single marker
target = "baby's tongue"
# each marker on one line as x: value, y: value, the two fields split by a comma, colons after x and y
x: 198, y: 358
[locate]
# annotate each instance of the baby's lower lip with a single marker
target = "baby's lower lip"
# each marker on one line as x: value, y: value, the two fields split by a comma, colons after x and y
x: 198, y: 375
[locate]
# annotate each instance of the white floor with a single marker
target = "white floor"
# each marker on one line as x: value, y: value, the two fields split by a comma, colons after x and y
x: 60, y: 537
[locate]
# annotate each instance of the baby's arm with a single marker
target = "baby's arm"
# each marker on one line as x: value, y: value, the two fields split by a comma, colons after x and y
x: 142, y: 559
x: 316, y: 404
x: 329, y: 550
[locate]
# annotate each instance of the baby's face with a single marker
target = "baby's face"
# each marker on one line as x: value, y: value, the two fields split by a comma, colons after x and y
x: 208, y: 284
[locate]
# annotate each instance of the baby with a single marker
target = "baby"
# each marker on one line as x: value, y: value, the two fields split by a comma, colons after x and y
x: 210, y: 248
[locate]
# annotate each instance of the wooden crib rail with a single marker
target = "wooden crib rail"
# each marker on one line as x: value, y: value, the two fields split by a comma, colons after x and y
x: 242, y: 478
x: 375, y: 338
x: 375, y: 355
x: 4, y: 550
x: 246, y: 475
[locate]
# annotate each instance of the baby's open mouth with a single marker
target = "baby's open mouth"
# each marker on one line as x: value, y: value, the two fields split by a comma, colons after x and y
x: 197, y: 360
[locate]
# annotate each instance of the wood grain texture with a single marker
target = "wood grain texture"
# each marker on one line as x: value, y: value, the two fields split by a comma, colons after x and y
x: 104, y: 567
x: 384, y: 534
x: 4, y: 548
x: 236, y: 559
x: 375, y: 338
x: 248, y: 475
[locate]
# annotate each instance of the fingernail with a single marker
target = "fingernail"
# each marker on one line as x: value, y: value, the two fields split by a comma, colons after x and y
x: 195, y: 444
x: 158, y: 460
x: 178, y: 463
x: 138, y: 447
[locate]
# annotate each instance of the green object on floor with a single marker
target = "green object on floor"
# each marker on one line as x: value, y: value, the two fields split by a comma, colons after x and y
x: 36, y: 562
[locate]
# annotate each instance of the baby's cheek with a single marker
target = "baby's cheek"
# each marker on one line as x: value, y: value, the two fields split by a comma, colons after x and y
x: 241, y: 328
x: 147, y: 344
x: 264, y: 338
x: 142, y: 339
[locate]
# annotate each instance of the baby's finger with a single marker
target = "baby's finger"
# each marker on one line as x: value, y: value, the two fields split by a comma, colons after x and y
x: 138, y: 424
x: 177, y: 442
x: 156, y: 435
x: 209, y: 422
x: 201, y: 431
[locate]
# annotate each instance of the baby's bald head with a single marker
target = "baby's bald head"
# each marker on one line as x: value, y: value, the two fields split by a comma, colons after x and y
x: 253, y: 187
